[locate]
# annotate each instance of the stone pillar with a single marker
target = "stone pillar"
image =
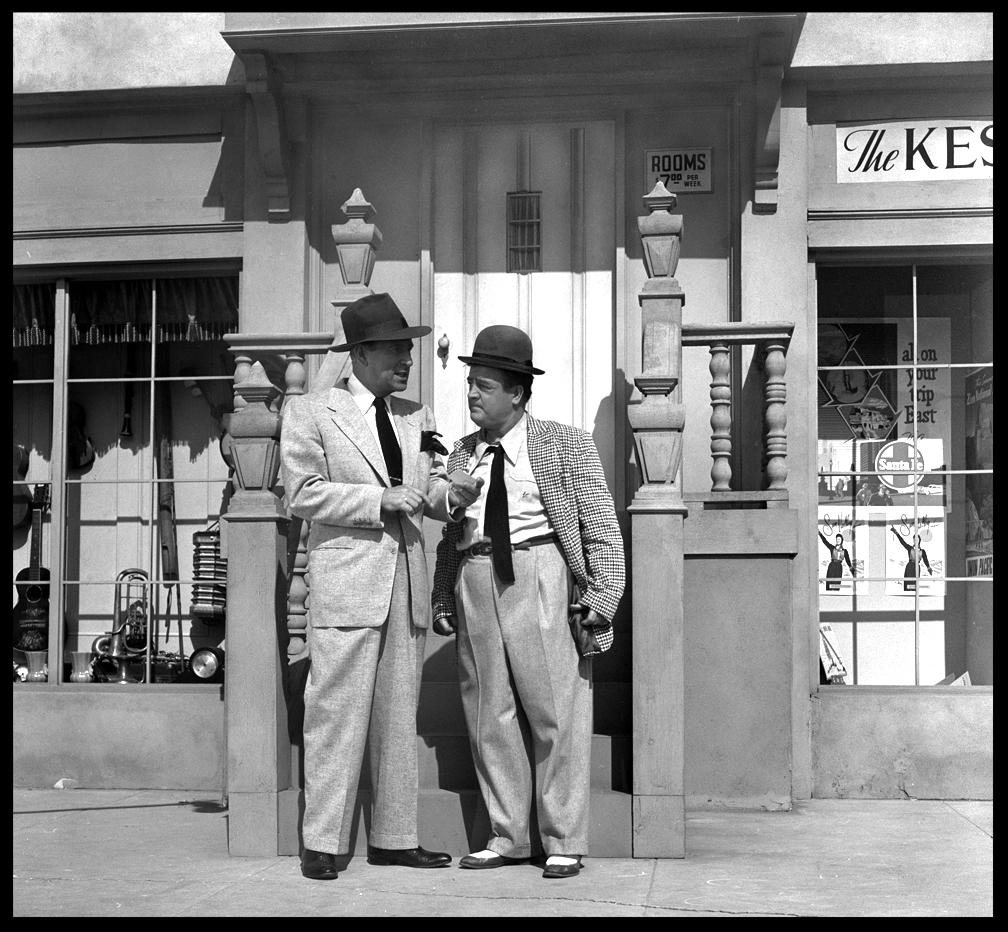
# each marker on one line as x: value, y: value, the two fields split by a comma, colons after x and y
x: 254, y: 537
x: 657, y: 513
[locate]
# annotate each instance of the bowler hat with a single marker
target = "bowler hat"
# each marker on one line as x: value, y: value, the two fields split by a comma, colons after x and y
x: 503, y: 347
x: 374, y: 317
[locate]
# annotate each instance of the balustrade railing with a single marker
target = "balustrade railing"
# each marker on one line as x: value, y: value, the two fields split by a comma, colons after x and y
x: 281, y: 357
x: 771, y: 340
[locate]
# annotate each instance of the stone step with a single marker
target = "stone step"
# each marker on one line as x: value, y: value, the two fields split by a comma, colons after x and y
x: 456, y: 821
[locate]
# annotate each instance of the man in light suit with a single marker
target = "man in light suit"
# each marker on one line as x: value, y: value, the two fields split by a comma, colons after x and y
x: 361, y: 465
x: 543, y: 520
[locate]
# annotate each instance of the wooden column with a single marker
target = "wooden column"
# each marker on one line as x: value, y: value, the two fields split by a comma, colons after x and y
x: 254, y: 537
x: 657, y: 418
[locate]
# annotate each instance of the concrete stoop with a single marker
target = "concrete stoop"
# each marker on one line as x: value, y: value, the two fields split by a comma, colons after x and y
x: 451, y: 815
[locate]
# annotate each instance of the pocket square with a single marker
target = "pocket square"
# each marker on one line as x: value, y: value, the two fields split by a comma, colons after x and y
x: 429, y: 443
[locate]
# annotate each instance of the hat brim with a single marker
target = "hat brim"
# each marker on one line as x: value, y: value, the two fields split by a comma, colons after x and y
x: 410, y: 333
x: 493, y: 362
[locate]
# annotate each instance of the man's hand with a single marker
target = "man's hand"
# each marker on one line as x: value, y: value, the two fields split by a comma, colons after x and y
x: 446, y: 626
x: 589, y: 617
x: 464, y: 489
x: 403, y: 499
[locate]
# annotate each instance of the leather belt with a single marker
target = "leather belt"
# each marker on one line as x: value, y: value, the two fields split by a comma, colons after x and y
x: 485, y: 548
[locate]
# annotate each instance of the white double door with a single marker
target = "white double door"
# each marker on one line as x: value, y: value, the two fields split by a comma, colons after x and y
x: 567, y: 308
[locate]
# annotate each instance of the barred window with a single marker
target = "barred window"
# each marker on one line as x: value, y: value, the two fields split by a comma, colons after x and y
x: 524, y: 237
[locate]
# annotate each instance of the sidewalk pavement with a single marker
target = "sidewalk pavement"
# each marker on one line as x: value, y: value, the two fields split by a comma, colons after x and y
x: 164, y: 853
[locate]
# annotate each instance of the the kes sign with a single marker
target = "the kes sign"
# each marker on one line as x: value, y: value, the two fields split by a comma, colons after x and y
x: 926, y: 150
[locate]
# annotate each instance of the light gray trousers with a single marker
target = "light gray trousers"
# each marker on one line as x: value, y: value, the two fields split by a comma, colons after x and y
x: 363, y: 685
x: 527, y: 697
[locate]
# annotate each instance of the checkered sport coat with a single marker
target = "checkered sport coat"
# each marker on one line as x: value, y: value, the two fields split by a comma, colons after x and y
x: 566, y: 465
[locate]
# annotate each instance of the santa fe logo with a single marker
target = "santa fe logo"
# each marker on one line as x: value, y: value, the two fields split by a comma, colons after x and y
x: 894, y: 464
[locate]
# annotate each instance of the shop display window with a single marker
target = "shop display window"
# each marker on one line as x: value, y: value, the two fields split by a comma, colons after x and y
x: 121, y: 474
x: 905, y: 473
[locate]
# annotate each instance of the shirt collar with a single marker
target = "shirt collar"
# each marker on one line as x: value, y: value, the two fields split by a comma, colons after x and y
x: 360, y: 393
x: 511, y: 442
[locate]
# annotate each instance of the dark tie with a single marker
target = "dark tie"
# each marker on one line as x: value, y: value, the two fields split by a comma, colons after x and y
x: 389, y: 444
x: 496, y: 524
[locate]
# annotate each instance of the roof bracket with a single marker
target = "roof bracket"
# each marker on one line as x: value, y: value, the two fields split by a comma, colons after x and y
x: 264, y: 85
x: 770, y: 57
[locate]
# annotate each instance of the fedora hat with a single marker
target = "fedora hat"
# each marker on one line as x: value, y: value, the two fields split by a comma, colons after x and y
x: 374, y: 317
x: 503, y: 347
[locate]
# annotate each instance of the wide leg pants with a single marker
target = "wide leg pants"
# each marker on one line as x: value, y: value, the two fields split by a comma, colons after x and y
x: 363, y: 686
x: 527, y: 697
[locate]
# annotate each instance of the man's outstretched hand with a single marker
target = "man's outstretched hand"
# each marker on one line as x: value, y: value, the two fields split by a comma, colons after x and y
x: 464, y: 489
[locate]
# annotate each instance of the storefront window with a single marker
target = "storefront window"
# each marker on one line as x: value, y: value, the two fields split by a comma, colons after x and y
x: 125, y: 381
x: 905, y: 486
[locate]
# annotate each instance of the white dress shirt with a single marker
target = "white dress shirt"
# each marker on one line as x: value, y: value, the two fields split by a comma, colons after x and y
x: 365, y: 401
x: 526, y: 512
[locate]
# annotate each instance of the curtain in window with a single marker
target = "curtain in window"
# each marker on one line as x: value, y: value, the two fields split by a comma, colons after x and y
x: 34, y: 314
x: 188, y: 309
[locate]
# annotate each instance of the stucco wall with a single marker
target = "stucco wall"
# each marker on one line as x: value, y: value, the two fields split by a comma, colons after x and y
x: 866, y: 39
x: 114, y: 737
x: 895, y: 742
x: 737, y: 633
x: 111, y: 51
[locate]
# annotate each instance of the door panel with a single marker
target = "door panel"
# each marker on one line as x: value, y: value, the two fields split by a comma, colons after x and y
x: 567, y: 308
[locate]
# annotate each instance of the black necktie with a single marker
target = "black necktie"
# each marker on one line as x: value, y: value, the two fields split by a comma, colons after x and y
x: 389, y: 444
x: 496, y: 524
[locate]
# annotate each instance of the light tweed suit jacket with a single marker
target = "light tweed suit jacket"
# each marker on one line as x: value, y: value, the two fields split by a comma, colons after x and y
x: 334, y: 475
x: 566, y: 466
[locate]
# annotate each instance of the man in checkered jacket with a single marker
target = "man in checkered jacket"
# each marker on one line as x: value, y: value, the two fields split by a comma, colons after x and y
x: 529, y: 577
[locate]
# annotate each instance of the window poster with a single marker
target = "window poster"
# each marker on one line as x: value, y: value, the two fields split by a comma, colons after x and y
x: 932, y: 419
x: 914, y: 555
x: 980, y: 488
x: 886, y: 433
x: 839, y: 563
x: 867, y: 403
x: 860, y: 402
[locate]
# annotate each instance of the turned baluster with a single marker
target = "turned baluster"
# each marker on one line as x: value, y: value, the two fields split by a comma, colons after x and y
x: 295, y: 375
x: 775, y: 415
x: 297, y: 598
x: 720, y: 395
x: 243, y: 366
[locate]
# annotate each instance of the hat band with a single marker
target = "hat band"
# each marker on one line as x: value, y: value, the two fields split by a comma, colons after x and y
x: 378, y: 328
x: 508, y: 359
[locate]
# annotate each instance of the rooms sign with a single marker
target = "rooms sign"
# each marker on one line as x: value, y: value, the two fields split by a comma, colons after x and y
x: 683, y: 171
x: 922, y: 150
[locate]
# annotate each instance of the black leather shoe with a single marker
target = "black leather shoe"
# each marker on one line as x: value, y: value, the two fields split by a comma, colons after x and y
x: 319, y: 865
x: 407, y: 857
x: 562, y: 870
x: 482, y: 864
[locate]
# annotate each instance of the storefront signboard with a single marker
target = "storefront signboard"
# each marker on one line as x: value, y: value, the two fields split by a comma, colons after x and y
x: 682, y: 171
x: 918, y: 150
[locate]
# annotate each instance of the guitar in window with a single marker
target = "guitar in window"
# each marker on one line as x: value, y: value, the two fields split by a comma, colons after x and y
x: 22, y: 494
x: 31, y: 614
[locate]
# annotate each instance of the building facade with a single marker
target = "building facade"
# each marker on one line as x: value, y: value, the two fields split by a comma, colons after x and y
x: 196, y: 196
